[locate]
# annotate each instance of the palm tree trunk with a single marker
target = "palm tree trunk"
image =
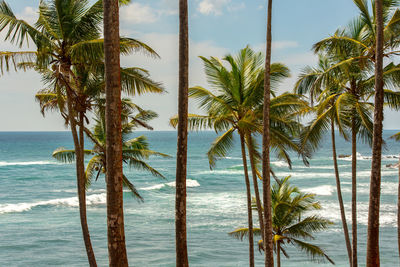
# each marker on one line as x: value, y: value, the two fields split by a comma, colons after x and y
x: 248, y: 194
x: 181, y: 157
x: 268, y: 246
x: 375, y: 184
x: 80, y: 169
x: 115, y: 209
x: 354, y: 190
x: 253, y: 166
x: 398, y: 210
x: 278, y: 254
x: 339, y: 193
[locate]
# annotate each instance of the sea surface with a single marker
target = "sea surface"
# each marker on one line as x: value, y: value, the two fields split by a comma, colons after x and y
x: 39, y: 219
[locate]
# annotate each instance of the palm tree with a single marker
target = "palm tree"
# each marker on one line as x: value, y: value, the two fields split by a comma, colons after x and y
x: 181, y: 162
x: 268, y: 246
x: 326, y: 88
x: 397, y: 138
x: 289, y: 224
x: 365, y: 47
x: 134, y: 151
x: 375, y: 184
x: 66, y: 35
x: 115, y: 207
x: 237, y: 106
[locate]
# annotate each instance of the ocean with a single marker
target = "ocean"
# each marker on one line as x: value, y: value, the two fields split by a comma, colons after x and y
x: 39, y: 219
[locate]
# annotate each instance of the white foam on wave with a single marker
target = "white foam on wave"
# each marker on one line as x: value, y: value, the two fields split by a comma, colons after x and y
x: 323, y: 190
x: 189, y: 183
x: 25, y: 163
x: 95, y: 199
x: 388, y: 213
x: 280, y: 163
x: 216, y: 172
x: 387, y: 188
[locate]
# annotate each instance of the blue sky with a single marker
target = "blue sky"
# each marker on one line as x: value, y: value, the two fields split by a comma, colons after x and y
x: 217, y: 27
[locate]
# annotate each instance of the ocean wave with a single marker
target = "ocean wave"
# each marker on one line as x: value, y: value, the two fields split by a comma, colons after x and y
x: 323, y: 190
x: 95, y: 199
x: 25, y: 163
x: 361, y: 157
x: 189, y: 183
x: 280, y: 163
x: 385, y: 172
x: 388, y: 213
x: 387, y: 188
x: 214, y: 172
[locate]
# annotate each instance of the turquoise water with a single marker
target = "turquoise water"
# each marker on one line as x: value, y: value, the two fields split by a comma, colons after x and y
x: 39, y: 220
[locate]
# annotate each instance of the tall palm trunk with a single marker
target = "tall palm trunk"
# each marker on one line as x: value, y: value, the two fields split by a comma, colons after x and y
x: 375, y: 185
x: 248, y: 195
x: 250, y: 147
x: 115, y: 209
x: 354, y: 190
x: 398, y: 210
x: 278, y: 254
x: 339, y: 193
x: 80, y: 168
x: 181, y: 157
x: 268, y: 246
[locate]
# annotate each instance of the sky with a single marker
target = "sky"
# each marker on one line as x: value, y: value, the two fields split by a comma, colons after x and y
x: 216, y: 28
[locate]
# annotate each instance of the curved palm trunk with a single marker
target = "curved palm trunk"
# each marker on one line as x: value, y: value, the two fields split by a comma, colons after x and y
x: 253, y: 166
x: 248, y: 194
x: 339, y: 193
x: 375, y: 184
x: 115, y: 210
x: 80, y: 171
x: 268, y: 246
x: 354, y: 191
x: 181, y: 157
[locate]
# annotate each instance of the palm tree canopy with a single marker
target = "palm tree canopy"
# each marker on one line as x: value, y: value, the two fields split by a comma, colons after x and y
x: 292, y: 222
x: 234, y: 103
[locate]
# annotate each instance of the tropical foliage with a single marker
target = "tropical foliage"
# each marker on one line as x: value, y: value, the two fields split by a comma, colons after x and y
x: 293, y: 222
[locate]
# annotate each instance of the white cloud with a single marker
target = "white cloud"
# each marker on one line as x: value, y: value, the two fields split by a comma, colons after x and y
x: 216, y: 7
x: 165, y: 70
x: 29, y: 14
x: 137, y: 13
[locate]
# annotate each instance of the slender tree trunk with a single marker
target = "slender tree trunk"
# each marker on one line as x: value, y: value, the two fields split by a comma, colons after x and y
x: 339, y: 193
x: 278, y: 254
x: 115, y: 208
x: 80, y: 171
x: 181, y: 157
x: 248, y: 195
x: 255, y: 184
x: 354, y: 190
x: 375, y: 186
x: 268, y: 246
x: 398, y: 210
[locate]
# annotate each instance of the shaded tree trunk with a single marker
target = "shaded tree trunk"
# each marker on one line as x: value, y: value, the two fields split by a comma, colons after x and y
x: 339, y: 194
x: 268, y: 246
x: 375, y: 184
x: 398, y: 210
x: 248, y: 195
x: 253, y: 166
x: 115, y: 209
x: 278, y: 254
x: 354, y: 191
x: 80, y: 167
x: 181, y: 158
